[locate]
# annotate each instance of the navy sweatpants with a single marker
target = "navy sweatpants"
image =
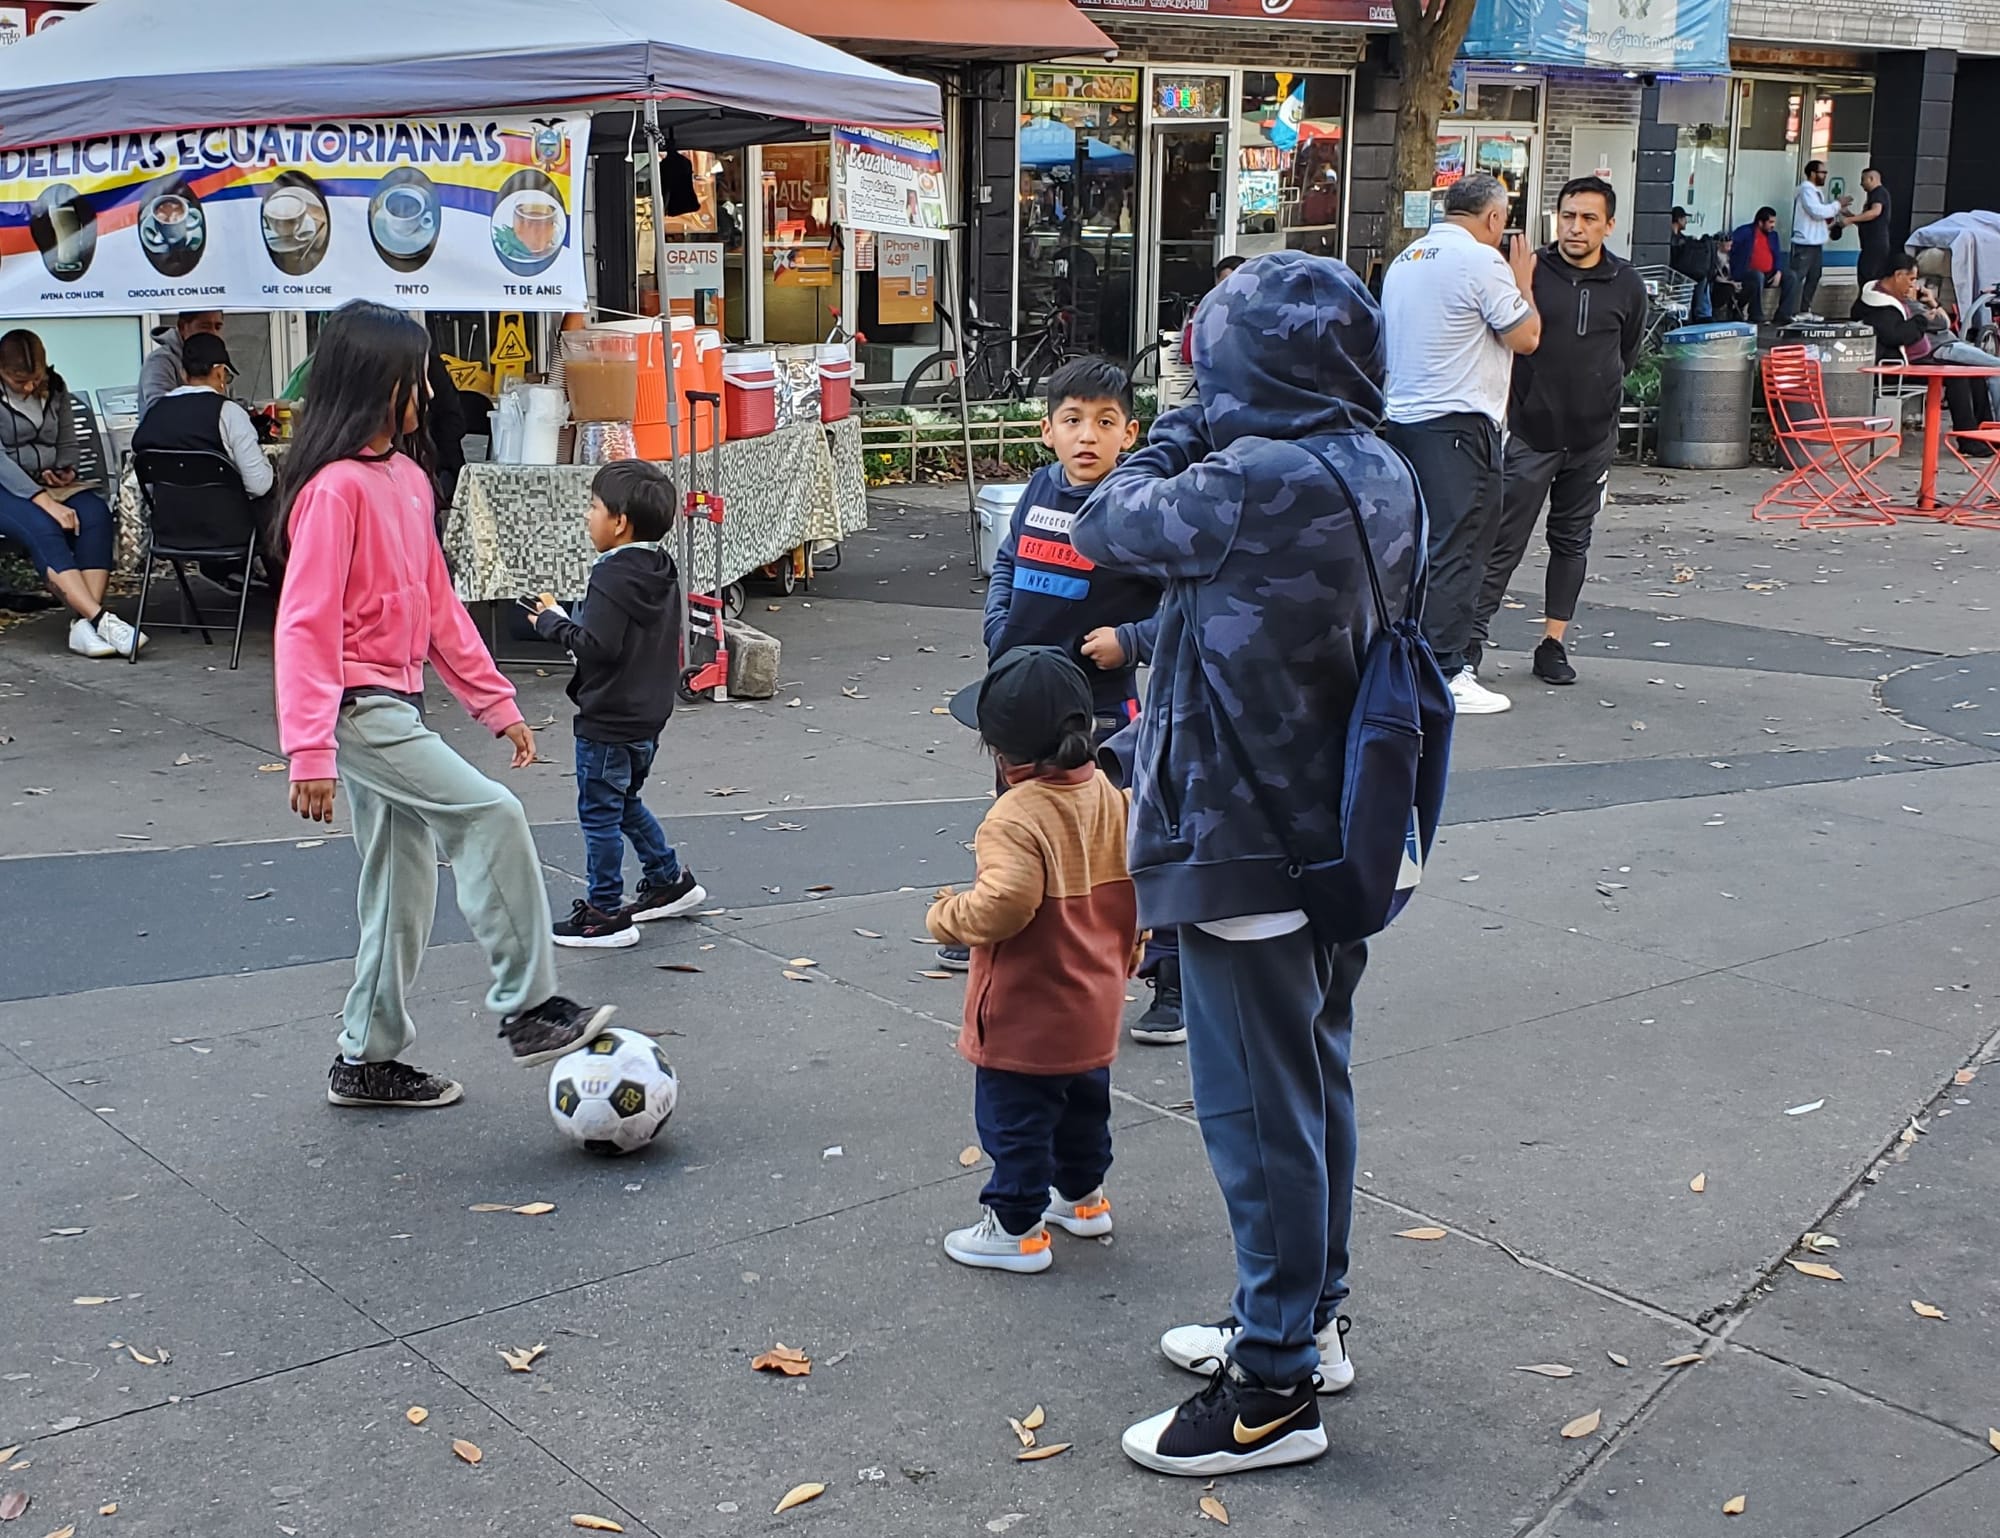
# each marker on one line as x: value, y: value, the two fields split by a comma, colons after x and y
x: 1041, y: 1130
x: 1270, y: 1029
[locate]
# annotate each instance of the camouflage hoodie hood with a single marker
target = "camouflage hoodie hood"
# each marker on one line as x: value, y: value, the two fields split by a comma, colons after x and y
x: 1267, y: 612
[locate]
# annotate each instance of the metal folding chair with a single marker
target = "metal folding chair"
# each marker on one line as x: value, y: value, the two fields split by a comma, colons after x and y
x: 1979, y: 507
x: 1832, y: 459
x: 196, y: 510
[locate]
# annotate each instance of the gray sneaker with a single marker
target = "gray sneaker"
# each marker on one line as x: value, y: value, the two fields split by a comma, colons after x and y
x: 553, y: 1028
x: 394, y: 1086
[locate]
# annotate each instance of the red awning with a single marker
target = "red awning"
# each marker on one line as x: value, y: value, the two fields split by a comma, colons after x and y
x: 943, y: 29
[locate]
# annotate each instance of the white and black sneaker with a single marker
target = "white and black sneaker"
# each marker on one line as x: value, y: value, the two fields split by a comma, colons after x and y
x: 955, y: 958
x: 1232, y: 1426
x: 394, y: 1086
x: 677, y: 898
x: 589, y: 928
x: 553, y: 1028
x: 1198, y: 1347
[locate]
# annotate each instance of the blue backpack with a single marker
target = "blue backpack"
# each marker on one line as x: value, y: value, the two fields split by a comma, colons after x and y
x: 1397, y: 753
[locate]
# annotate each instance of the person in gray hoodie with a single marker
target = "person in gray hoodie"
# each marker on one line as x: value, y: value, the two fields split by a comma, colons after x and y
x: 163, y: 372
x: 1263, y: 627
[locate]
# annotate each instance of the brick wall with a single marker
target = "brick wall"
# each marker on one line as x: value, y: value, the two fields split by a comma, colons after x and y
x: 1596, y: 101
x: 1970, y: 26
x: 1253, y: 44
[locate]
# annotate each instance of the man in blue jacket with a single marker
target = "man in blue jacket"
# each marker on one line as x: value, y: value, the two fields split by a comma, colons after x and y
x: 1265, y: 620
x: 1757, y: 262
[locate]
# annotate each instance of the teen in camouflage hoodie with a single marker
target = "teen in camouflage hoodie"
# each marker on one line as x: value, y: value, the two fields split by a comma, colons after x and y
x: 1266, y: 619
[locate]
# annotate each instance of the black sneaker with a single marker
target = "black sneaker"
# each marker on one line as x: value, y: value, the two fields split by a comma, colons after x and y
x: 1161, y: 1024
x: 546, y: 1032
x: 396, y: 1086
x: 680, y: 896
x: 591, y: 928
x: 1234, y: 1425
x: 1552, y: 662
x: 955, y: 958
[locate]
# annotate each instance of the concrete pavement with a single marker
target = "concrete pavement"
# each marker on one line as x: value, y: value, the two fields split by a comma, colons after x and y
x: 1747, y: 864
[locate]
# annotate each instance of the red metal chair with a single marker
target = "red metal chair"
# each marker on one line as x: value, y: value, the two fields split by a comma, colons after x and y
x: 1979, y: 508
x: 1832, y: 459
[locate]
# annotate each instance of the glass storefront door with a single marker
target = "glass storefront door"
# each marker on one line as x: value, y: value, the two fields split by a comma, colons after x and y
x: 1186, y: 177
x: 801, y: 270
x: 1290, y: 163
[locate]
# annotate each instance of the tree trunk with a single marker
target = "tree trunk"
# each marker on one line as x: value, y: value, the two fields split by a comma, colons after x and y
x: 1431, y: 31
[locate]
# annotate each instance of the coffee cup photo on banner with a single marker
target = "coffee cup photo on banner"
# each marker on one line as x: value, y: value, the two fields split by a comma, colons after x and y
x: 449, y: 213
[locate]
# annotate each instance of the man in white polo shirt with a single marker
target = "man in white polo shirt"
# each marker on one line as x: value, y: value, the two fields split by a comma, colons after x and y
x: 1455, y: 312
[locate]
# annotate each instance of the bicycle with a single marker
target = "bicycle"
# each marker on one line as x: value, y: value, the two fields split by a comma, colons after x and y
x: 989, y: 375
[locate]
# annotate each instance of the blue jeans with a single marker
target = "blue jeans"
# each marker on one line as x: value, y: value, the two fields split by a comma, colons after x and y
x: 609, y: 777
x: 1041, y: 1130
x: 50, y: 546
x: 1270, y: 1034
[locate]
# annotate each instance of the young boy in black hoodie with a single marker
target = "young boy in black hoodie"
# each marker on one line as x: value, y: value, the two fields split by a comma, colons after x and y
x: 626, y: 644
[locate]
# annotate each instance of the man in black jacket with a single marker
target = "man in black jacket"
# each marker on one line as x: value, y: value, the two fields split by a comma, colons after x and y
x: 1910, y: 328
x: 1562, y: 413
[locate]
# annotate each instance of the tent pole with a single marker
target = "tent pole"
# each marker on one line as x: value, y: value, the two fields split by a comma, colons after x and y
x: 684, y: 554
x: 951, y: 276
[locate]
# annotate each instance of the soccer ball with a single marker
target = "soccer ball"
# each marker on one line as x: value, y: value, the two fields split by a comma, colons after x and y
x: 613, y: 1096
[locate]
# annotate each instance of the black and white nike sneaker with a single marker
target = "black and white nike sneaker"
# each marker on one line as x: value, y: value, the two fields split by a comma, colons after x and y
x: 1232, y: 1426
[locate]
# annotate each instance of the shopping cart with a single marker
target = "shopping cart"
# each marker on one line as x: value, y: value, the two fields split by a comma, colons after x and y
x: 707, y: 638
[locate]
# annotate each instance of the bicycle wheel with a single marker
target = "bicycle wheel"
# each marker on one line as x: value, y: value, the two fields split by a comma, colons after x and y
x: 1145, y: 370
x: 934, y: 382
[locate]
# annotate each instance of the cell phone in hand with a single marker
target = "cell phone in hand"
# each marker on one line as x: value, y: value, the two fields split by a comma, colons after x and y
x: 530, y: 601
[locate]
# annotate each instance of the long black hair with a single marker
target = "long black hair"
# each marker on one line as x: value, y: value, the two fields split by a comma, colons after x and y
x: 367, y: 370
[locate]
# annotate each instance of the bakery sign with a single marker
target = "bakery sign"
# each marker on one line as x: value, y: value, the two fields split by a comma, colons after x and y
x: 1344, y: 13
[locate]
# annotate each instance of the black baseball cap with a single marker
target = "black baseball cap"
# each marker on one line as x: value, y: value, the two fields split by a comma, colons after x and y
x: 203, y: 352
x: 1025, y: 700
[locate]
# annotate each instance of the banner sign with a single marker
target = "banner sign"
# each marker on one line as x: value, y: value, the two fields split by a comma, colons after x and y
x: 694, y: 280
x: 890, y: 181
x: 1339, y: 13
x: 1684, y: 37
x: 442, y: 214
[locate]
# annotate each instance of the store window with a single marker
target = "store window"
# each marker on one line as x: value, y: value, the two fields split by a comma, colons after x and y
x: 1495, y: 130
x: 1078, y: 190
x: 1781, y: 125
x: 1701, y: 175
x: 1291, y: 144
x: 705, y: 249
x: 803, y: 258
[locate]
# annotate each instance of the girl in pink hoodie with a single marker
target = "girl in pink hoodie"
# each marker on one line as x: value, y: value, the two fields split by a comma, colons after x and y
x: 367, y: 601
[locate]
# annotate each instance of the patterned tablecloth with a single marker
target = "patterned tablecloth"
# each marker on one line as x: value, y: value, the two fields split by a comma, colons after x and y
x: 518, y: 529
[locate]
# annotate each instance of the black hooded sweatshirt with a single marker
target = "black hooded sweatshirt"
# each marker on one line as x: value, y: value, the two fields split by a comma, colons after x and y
x: 626, y: 641
x: 1567, y: 391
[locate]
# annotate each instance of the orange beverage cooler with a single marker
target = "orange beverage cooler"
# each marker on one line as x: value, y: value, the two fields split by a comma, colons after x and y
x: 697, y: 366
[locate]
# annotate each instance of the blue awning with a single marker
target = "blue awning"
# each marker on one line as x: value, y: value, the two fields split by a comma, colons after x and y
x: 1668, y: 37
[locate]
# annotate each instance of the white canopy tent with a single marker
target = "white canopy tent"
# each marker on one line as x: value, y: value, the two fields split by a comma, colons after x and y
x: 720, y: 75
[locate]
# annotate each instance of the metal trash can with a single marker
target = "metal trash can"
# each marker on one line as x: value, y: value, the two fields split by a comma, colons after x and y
x: 996, y: 517
x: 1844, y: 348
x: 1706, y: 374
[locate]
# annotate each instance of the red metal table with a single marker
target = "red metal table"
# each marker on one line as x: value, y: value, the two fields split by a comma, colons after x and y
x: 1933, y: 375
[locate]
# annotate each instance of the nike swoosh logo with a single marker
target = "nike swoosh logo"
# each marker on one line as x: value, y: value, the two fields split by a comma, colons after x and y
x: 1245, y: 1435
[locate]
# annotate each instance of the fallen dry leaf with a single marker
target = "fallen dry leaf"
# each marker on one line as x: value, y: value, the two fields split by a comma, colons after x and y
x: 416, y: 1415
x: 1421, y: 1233
x: 1733, y: 1507
x: 12, y: 1504
x: 89, y: 1302
x: 1685, y: 1359
x: 1034, y: 1419
x: 1965, y: 1076
x: 1993, y: 1439
x: 1699, y: 1184
x: 1818, y: 1243
x: 7, y: 1453
x: 942, y: 977
x: 1549, y: 1370
x: 64, y: 1532
x: 789, y: 1360
x: 270, y: 768
x: 467, y: 1451
x: 521, y: 1358
x: 491, y: 1207
x: 820, y: 886
x: 1926, y: 1310
x: 678, y: 966
x: 108, y: 1509
x: 1814, y: 1268
x: 595, y: 1524
x: 536, y: 1209
x: 141, y: 1358
x: 1026, y: 1437
x: 970, y: 1156
x: 1037, y: 1454
x: 797, y: 977
x: 802, y: 961
x: 798, y: 1495
x: 868, y: 934
x: 1583, y: 1425
x: 1214, y: 1510
x: 1619, y: 1360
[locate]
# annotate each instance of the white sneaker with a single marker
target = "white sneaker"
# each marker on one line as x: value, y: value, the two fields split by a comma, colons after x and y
x: 1473, y: 698
x: 1088, y: 1217
x: 1196, y: 1348
x: 120, y: 636
x: 86, y: 642
x: 990, y: 1247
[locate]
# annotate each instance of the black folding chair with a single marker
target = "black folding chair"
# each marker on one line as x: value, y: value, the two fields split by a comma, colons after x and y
x: 90, y: 456
x: 196, y: 510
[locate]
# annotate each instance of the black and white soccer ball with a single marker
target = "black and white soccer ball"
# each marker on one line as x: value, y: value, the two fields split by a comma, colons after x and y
x: 613, y: 1096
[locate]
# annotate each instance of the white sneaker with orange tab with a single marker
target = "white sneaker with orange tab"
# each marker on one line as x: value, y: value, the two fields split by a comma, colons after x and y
x: 990, y: 1247
x: 1088, y: 1217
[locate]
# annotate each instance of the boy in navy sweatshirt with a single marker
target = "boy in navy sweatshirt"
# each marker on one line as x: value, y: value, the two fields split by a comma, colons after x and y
x: 1043, y: 593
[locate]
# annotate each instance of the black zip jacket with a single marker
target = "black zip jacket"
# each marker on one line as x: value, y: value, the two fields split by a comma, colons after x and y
x: 626, y: 642
x: 1567, y: 391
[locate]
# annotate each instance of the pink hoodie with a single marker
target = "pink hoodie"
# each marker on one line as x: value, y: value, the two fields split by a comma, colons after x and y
x: 367, y: 600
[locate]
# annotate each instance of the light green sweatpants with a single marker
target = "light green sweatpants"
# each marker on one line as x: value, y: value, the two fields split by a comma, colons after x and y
x: 410, y: 796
